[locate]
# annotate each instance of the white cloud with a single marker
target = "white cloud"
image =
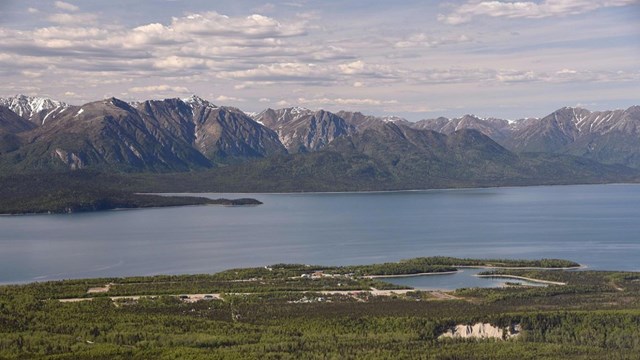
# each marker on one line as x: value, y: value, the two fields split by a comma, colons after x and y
x: 508, y: 76
x: 224, y: 98
x: 410, y: 108
x: 590, y: 76
x: 66, y: 6
x: 258, y: 26
x: 31, y: 74
x: 72, y: 19
x: 32, y: 10
x: 194, y: 42
x: 72, y: 95
x: 341, y: 60
x: 423, y: 40
x: 148, y: 34
x: 265, y: 8
x: 280, y: 71
x: 373, y: 71
x: 526, y: 9
x: 74, y: 33
x: 293, y: 4
x: 254, y: 84
x: 179, y: 63
x: 353, y: 67
x: 566, y: 71
x: 159, y: 88
x: 325, y: 101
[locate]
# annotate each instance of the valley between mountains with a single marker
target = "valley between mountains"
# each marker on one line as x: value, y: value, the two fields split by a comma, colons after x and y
x: 107, y: 147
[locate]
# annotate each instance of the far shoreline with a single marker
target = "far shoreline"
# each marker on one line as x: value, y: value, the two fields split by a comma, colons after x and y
x: 389, y: 191
x: 244, y: 202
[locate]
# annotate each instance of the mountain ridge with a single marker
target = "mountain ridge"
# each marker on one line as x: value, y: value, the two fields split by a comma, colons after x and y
x: 155, y: 135
x: 193, y: 134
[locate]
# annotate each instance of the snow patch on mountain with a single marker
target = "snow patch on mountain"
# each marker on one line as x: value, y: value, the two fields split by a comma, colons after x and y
x: 393, y: 119
x: 195, y: 100
x: 28, y: 107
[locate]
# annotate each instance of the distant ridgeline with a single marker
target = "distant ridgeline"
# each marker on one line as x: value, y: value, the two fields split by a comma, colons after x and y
x: 193, y: 145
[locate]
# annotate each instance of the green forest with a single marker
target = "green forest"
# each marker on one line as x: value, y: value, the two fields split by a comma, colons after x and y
x: 289, y: 311
x: 82, y: 191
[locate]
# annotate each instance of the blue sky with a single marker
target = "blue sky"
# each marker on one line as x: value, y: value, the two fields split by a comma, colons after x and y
x: 416, y: 59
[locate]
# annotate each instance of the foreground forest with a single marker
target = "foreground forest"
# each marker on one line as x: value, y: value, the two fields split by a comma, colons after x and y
x: 315, y: 312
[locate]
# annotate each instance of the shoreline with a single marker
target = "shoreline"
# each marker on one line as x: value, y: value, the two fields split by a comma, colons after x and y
x: 393, y: 191
x: 95, y: 211
x: 411, y: 275
x: 30, y: 281
x: 136, y: 207
x: 549, y: 282
x: 520, y: 267
x: 474, y: 267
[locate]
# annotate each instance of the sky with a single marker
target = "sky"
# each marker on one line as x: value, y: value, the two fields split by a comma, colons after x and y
x: 411, y: 58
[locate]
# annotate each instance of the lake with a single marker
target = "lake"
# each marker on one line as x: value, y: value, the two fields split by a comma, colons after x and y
x: 595, y: 225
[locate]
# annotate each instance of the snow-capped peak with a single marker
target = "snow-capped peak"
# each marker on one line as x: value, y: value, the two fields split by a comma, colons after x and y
x: 195, y: 100
x: 393, y: 119
x: 28, y: 106
x: 296, y: 110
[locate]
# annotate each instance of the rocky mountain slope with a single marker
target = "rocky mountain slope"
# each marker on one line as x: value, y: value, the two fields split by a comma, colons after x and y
x: 498, y: 129
x: 192, y: 134
x: 12, y: 123
x: 611, y: 137
x: 304, y: 130
x: 35, y: 109
x: 221, y: 134
x: 167, y: 135
x: 362, y: 122
x: 393, y: 157
x: 10, y: 126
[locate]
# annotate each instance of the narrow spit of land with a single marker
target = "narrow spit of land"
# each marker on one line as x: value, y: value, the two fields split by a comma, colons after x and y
x: 355, y: 281
x: 86, y: 191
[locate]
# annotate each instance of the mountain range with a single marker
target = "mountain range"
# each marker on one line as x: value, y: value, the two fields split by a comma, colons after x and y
x: 167, y: 135
x: 301, y: 146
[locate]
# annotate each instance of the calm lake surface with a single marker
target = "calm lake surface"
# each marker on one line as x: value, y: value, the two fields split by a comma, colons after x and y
x: 595, y: 225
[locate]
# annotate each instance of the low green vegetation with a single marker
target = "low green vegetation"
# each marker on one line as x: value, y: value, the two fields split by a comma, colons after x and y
x: 275, y: 312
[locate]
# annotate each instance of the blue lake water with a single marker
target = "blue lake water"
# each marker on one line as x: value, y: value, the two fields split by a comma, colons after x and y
x: 596, y: 225
x: 465, y: 278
